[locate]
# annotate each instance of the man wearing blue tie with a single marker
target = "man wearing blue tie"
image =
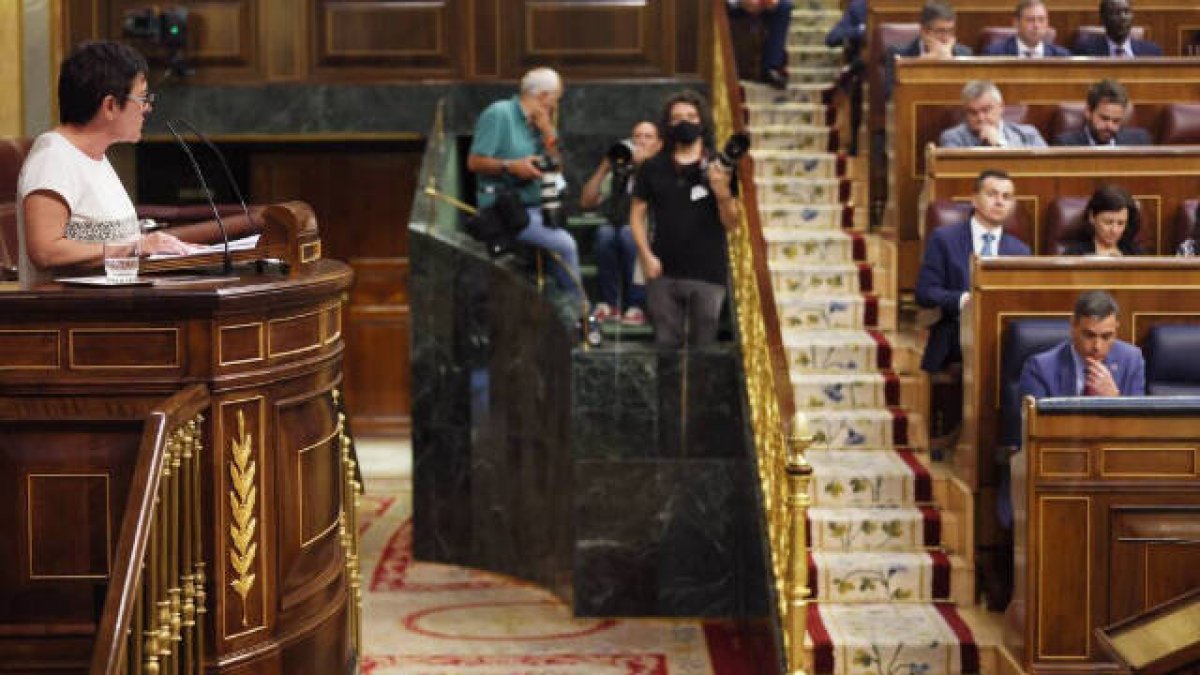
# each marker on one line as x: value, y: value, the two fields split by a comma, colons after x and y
x: 944, y: 278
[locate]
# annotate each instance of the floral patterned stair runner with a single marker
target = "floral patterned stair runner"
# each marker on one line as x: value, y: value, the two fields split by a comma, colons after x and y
x: 880, y: 578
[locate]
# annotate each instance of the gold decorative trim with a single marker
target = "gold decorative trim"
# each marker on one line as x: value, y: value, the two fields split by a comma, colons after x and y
x: 262, y: 340
x: 310, y: 252
x: 107, y: 524
x: 243, y: 496
x: 71, y: 348
x: 336, y: 317
x: 57, y: 349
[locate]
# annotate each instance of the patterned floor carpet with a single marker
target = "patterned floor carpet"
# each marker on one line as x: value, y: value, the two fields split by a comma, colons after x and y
x: 432, y: 619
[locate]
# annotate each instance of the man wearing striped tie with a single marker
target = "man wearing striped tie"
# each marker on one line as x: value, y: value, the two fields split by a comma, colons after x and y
x: 944, y: 279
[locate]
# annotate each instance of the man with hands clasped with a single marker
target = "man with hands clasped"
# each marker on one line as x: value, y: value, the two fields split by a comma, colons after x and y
x: 1092, y: 362
x: 693, y: 201
x: 983, y: 122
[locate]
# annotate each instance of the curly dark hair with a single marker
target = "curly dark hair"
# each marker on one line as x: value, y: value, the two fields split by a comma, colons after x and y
x: 698, y: 102
x: 1114, y: 198
x: 93, y: 71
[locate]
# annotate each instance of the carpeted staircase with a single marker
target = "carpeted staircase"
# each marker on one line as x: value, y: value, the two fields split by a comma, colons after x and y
x: 886, y: 539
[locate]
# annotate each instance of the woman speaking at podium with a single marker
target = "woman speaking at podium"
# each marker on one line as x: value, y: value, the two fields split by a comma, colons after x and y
x: 103, y: 99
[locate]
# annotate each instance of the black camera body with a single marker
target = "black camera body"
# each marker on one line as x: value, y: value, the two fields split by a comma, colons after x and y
x: 165, y: 32
x: 553, y: 187
x: 735, y: 148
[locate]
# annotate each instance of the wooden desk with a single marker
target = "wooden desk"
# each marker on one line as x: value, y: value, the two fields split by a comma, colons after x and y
x: 79, y: 370
x: 1150, y: 291
x: 1107, y: 522
x: 927, y: 87
x: 1160, y: 177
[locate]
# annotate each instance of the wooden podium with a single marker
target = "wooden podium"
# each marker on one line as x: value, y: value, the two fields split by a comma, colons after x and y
x: 81, y: 368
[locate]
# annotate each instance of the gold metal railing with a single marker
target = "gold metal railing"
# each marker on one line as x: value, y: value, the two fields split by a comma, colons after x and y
x: 153, y: 620
x: 352, y: 487
x: 784, y: 473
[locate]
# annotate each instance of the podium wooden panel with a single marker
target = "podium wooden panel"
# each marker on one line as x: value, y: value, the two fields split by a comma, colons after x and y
x: 924, y: 88
x: 80, y: 367
x: 1107, y: 523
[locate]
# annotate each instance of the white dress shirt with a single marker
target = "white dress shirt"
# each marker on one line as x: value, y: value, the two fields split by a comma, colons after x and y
x: 1127, y: 45
x: 977, y: 232
x: 1025, y: 52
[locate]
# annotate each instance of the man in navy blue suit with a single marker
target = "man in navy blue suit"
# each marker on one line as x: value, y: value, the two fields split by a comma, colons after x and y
x: 1117, y: 17
x: 944, y: 278
x: 1032, y: 21
x: 937, y: 40
x: 1107, y: 105
x: 1093, y: 362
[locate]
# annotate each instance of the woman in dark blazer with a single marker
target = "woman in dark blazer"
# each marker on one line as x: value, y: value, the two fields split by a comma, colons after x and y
x: 1110, y: 225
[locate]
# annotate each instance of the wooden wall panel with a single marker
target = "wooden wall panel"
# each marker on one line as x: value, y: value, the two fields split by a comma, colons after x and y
x: 220, y: 33
x: 248, y: 41
x: 392, y: 38
x: 361, y: 197
x: 221, y: 36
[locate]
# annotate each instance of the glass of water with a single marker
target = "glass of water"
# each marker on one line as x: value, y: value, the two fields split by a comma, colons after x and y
x: 121, y: 259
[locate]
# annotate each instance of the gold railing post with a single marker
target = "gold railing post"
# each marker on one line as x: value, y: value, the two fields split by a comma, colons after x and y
x: 197, y: 544
x: 349, y: 526
x: 799, y: 475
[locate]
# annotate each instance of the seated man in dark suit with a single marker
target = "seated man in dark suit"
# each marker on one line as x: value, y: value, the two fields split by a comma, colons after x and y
x: 944, y: 278
x: 936, y: 41
x: 1107, y: 105
x: 984, y: 125
x: 1093, y: 362
x: 1117, y: 17
x: 1032, y: 22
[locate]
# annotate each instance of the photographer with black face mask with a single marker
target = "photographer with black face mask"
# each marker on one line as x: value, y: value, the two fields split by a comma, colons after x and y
x: 693, y: 200
x: 610, y: 189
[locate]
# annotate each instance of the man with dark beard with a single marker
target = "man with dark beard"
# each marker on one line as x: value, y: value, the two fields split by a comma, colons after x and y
x: 694, y: 202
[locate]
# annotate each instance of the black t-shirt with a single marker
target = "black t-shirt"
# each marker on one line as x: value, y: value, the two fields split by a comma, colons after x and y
x: 688, y: 236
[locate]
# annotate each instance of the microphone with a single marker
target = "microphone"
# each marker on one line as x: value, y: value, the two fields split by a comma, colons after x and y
x: 227, y: 267
x: 237, y: 192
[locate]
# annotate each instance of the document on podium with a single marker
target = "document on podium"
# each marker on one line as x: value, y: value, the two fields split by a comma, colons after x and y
x: 243, y: 244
